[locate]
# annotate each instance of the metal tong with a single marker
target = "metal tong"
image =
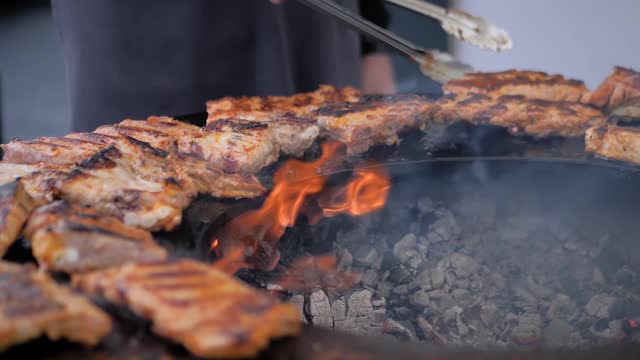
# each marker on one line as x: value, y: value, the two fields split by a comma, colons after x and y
x: 434, y: 64
x: 466, y: 27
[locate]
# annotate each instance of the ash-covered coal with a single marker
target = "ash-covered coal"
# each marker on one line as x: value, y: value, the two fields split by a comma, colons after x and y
x: 482, y: 267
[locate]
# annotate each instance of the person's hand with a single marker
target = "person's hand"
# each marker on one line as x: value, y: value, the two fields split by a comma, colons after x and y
x: 376, y: 71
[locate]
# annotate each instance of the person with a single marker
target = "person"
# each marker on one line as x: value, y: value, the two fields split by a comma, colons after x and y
x: 132, y: 59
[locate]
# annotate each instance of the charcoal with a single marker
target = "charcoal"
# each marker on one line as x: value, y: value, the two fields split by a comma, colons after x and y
x: 558, y: 334
x: 420, y: 298
x: 395, y: 328
x: 625, y: 277
x: 528, y: 330
x: 561, y: 307
x: 462, y: 297
x: 600, y: 305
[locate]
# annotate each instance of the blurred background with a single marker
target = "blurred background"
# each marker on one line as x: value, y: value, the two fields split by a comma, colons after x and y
x: 582, y: 40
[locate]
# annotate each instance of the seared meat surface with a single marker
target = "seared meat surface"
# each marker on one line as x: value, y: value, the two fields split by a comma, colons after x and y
x: 114, y: 187
x: 32, y: 305
x: 265, y: 108
x: 210, y: 179
x: 38, y: 179
x: 373, y: 119
x: 614, y: 142
x: 210, y: 313
x: 50, y: 150
x: 619, y: 88
x: 520, y: 115
x: 530, y: 84
x: 161, y: 132
x: 293, y: 134
x: 237, y: 146
x: 193, y: 173
x: 15, y: 207
x: 289, y: 117
x: 74, y: 238
x: 10, y: 172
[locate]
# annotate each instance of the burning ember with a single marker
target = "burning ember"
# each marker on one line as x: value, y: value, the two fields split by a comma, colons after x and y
x: 259, y: 231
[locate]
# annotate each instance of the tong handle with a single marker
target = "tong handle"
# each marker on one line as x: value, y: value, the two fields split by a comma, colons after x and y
x: 436, y: 65
x: 475, y: 30
x: 367, y: 28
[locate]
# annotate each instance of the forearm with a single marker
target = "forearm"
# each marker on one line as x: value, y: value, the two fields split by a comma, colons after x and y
x: 376, y: 67
x: 377, y: 75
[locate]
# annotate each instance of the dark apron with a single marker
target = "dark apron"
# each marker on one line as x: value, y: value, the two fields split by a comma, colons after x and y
x: 135, y: 58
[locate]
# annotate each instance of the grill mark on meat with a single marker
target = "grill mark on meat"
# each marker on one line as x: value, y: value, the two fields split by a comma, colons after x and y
x: 206, y: 304
x: 473, y: 99
x: 531, y: 84
x: 175, y: 286
x: 101, y: 160
x: 174, y: 273
x: 79, y: 227
x: 72, y: 238
x: 479, y: 80
x: 30, y: 309
x: 32, y: 305
x: 146, y: 147
x: 536, y: 117
x: 219, y: 125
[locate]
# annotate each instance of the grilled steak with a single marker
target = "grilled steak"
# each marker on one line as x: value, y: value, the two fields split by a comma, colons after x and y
x: 209, y: 312
x: 373, y: 119
x: 38, y: 179
x: 163, y: 124
x: 116, y: 188
x: 617, y: 89
x: 15, y: 207
x: 32, y: 305
x: 154, y: 138
x: 237, y: 146
x: 530, y: 84
x: 9, y: 172
x: 50, y: 150
x: 261, y: 108
x: 294, y: 134
x: 73, y: 238
x: 520, y: 115
x: 210, y: 179
x: 614, y: 142
x: 289, y: 117
x: 159, y: 132
x: 96, y: 138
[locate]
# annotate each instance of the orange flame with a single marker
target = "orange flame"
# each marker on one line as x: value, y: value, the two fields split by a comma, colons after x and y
x: 214, y: 244
x: 259, y: 231
x: 366, y: 193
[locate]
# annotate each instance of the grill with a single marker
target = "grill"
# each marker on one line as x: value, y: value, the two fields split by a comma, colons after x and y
x: 433, y: 178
